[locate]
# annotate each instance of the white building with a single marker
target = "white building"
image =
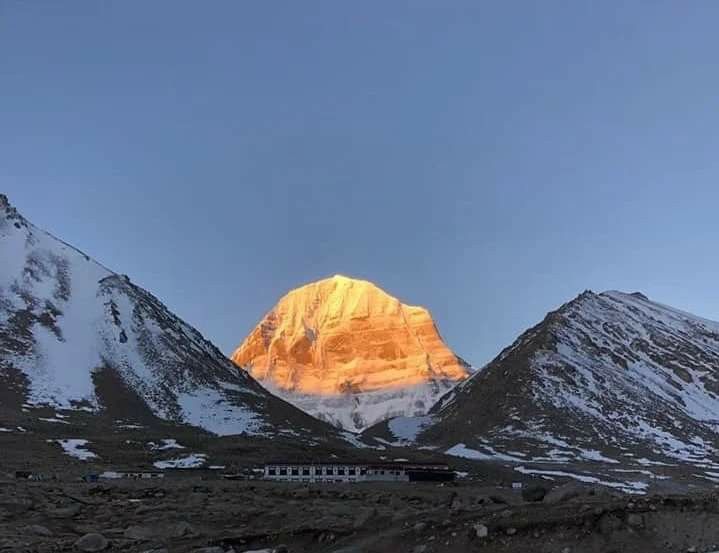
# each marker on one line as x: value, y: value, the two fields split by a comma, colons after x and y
x: 355, y: 472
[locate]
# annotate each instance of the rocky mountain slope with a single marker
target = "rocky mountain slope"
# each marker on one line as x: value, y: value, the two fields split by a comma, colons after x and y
x: 609, y: 378
x: 76, y: 337
x: 349, y: 353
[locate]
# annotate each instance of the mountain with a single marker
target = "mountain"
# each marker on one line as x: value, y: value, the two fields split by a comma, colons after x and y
x: 77, y: 337
x: 610, y: 378
x: 347, y: 352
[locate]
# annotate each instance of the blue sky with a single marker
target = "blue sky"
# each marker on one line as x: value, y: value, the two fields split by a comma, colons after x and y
x: 489, y: 160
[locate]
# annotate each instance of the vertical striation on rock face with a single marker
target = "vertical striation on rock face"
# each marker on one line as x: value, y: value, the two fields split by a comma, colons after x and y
x: 346, y: 338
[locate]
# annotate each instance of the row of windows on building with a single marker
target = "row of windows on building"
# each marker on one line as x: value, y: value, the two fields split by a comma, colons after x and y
x: 325, y: 471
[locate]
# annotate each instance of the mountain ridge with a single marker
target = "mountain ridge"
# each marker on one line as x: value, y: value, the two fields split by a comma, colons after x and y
x: 68, y: 323
x: 348, y: 352
x: 612, y: 377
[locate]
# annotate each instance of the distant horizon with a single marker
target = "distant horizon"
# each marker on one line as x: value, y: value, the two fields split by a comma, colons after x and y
x: 487, y: 161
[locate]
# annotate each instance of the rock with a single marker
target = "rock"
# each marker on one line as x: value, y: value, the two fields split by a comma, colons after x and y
x: 140, y: 533
x: 37, y: 530
x: 609, y: 523
x: 534, y: 493
x: 420, y: 527
x: 479, y: 531
x: 563, y: 493
x: 511, y: 531
x: 363, y: 517
x: 419, y: 549
x: 91, y: 542
x: 635, y: 520
x: 455, y: 504
x: 302, y: 493
x: 213, y: 549
x: 65, y: 512
x: 180, y: 530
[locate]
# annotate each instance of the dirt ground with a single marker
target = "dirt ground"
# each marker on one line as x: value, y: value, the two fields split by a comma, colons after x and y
x: 191, y: 514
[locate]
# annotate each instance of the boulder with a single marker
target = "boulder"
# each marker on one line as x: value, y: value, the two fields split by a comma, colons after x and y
x: 609, y: 523
x: 635, y: 520
x: 478, y: 530
x: 140, y: 533
x: 534, y: 493
x: 566, y: 492
x: 363, y: 517
x: 180, y: 530
x: 420, y: 527
x: 37, y: 530
x: 90, y: 543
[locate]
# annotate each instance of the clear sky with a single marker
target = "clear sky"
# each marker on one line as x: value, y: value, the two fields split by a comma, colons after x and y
x: 488, y: 160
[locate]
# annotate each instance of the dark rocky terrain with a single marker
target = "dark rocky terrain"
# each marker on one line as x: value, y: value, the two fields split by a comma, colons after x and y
x: 191, y: 514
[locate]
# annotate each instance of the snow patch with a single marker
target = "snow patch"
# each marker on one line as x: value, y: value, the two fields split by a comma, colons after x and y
x: 632, y: 487
x: 75, y: 447
x: 195, y: 460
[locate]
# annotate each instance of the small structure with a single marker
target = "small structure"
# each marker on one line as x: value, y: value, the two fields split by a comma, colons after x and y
x: 338, y: 471
x: 131, y: 474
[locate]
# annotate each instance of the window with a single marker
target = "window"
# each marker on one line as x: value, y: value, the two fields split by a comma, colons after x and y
x: 341, y: 471
x: 363, y: 471
x: 283, y: 471
x: 295, y: 471
x: 329, y: 470
x: 352, y: 471
x: 305, y: 471
x: 272, y: 471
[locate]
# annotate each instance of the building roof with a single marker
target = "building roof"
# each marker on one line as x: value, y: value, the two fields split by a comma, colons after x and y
x: 372, y: 464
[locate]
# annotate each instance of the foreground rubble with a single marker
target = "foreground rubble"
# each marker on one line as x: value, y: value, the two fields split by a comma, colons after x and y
x: 223, y: 516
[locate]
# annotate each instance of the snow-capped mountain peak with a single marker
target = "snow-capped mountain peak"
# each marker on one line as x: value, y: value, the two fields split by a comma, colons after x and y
x: 346, y: 351
x: 75, y: 335
x: 611, y: 377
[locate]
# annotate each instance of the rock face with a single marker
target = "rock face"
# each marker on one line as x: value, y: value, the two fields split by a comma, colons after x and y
x: 75, y: 335
x: 348, y: 352
x: 607, y: 378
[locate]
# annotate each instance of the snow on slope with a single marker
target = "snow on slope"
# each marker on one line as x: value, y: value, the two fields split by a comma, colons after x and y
x: 607, y: 378
x: 67, y: 323
x: 354, y: 410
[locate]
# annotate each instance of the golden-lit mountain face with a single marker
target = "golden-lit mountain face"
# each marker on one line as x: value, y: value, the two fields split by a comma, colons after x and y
x: 340, y: 335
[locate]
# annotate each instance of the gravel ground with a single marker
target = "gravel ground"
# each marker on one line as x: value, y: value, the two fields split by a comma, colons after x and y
x: 189, y: 514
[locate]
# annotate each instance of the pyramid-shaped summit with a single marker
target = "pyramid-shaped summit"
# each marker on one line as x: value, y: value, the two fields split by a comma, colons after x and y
x: 346, y: 351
